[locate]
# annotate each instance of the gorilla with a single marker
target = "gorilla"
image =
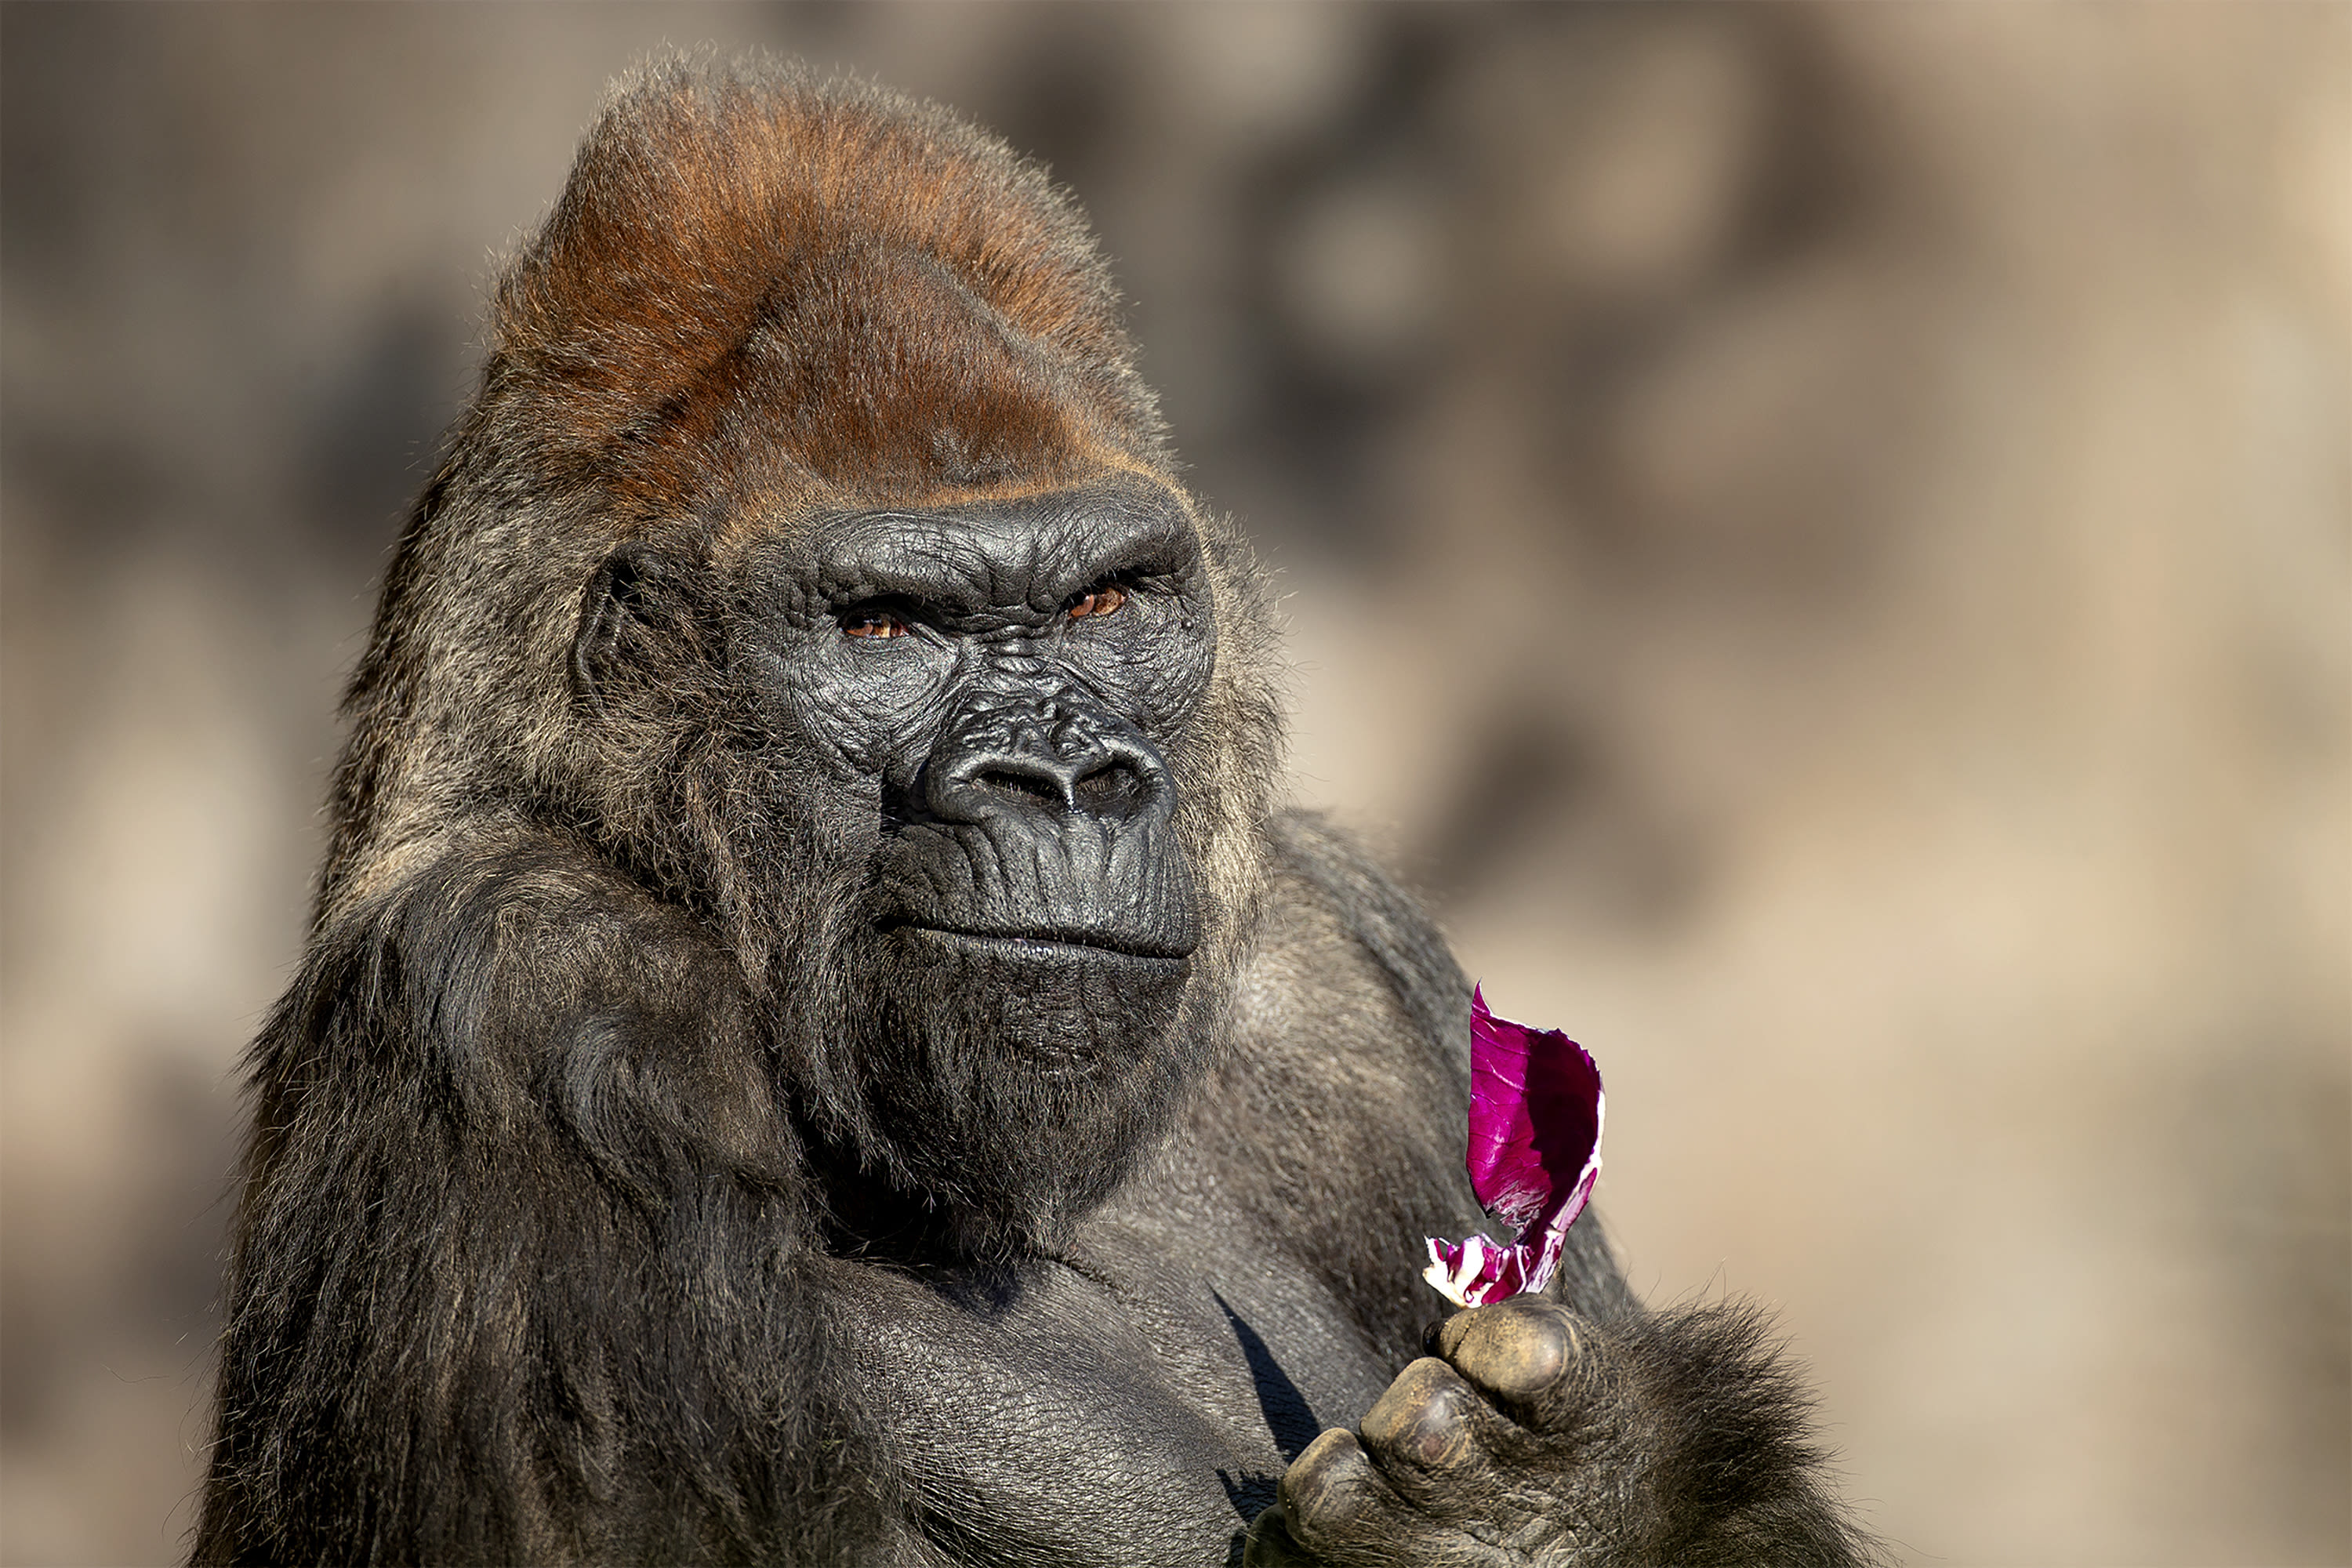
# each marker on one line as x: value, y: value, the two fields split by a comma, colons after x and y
x: 818, y: 1041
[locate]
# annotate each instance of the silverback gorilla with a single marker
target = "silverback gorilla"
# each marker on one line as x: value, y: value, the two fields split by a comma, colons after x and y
x: 818, y: 1044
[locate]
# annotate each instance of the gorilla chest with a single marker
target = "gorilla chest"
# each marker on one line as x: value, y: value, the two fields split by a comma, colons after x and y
x: 1074, y: 1419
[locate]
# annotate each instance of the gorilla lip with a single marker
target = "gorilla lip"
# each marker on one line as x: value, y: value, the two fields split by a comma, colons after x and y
x: 1049, y: 945
x: 1535, y: 1110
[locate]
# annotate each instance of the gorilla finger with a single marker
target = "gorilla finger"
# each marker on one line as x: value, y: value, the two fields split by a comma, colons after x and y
x: 1525, y: 1352
x: 1269, y: 1544
x: 1423, y: 1423
x: 1336, y: 1506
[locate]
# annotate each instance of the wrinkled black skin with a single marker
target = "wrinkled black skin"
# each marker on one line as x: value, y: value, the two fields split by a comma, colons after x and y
x: 976, y: 1236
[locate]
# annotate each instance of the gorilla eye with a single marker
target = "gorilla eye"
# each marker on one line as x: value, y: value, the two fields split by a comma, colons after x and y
x: 1100, y: 601
x: 872, y: 624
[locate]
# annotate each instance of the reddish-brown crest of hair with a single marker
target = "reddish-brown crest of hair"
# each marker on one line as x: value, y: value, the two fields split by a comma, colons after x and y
x: 751, y: 269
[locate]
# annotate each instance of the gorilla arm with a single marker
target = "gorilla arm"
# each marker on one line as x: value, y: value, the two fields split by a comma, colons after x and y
x: 1575, y: 1428
x: 521, y: 1272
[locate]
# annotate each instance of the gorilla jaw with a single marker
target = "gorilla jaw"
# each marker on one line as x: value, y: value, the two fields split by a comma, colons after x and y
x: 1007, y: 1086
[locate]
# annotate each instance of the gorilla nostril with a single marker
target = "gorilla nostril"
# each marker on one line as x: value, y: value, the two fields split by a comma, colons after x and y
x: 1113, y: 784
x: 1042, y: 786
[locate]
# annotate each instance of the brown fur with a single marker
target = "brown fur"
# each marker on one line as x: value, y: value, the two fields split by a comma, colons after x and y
x: 899, y: 304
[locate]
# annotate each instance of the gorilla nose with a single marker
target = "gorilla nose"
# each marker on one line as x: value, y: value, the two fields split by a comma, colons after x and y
x: 1106, y: 784
x: 1061, y: 767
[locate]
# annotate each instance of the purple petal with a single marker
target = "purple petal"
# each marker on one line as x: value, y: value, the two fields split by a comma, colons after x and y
x: 1535, y: 1116
x: 1473, y: 1272
x: 1536, y: 1109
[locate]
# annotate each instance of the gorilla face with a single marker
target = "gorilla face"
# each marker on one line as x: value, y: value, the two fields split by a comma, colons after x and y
x: 973, y: 708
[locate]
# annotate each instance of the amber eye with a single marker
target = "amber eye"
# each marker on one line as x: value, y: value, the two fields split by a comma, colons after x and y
x: 1101, y: 601
x: 872, y: 624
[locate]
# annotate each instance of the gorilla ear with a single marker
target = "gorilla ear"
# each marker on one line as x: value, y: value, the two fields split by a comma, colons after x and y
x: 625, y: 591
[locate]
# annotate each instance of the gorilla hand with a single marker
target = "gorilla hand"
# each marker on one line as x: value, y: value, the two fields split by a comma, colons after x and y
x: 1537, y: 1437
x: 1460, y: 1460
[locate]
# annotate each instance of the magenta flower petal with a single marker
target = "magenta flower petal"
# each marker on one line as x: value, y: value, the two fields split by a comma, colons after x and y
x: 1536, y: 1111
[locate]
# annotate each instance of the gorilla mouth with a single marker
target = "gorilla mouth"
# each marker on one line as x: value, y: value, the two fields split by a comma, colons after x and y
x: 1061, y: 945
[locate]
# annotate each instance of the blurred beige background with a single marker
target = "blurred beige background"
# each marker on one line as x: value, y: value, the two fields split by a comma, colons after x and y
x: 1823, y: 538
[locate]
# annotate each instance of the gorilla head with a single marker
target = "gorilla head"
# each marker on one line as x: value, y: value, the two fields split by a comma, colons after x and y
x: 895, y: 651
